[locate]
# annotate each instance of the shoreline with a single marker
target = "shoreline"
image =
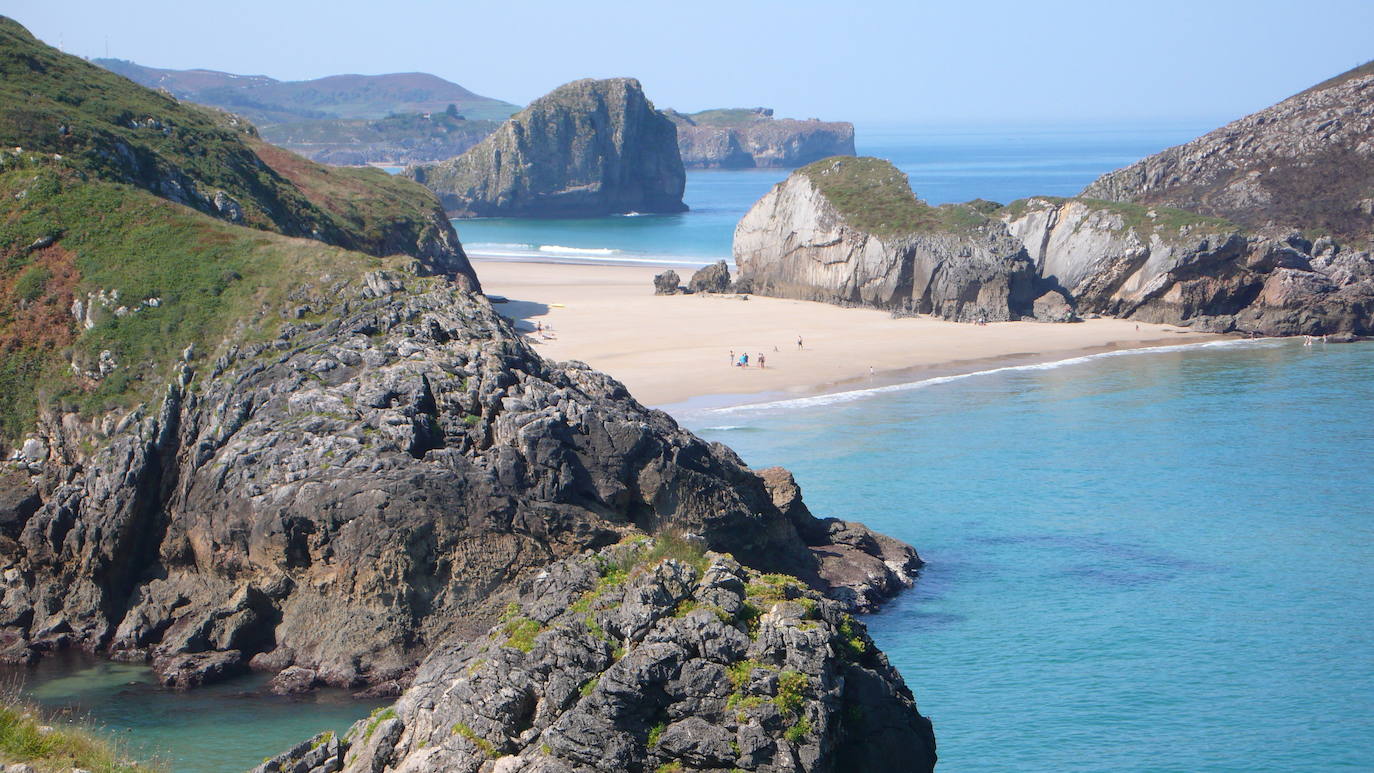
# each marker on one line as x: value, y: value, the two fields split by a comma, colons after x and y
x: 675, y: 352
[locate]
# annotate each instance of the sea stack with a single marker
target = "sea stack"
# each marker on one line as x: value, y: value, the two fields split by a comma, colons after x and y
x: 588, y: 148
x: 849, y: 230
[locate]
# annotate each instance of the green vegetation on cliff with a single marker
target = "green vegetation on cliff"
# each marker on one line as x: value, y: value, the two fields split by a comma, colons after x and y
x: 119, y: 248
x: 55, y: 746
x: 874, y: 196
x: 1145, y: 219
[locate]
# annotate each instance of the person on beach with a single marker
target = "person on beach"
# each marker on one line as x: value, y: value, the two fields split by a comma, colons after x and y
x: 761, y: 360
x: 744, y: 359
x: 732, y: 356
x: 799, y: 345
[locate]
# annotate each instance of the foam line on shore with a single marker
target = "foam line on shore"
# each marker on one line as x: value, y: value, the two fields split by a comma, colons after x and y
x: 853, y: 395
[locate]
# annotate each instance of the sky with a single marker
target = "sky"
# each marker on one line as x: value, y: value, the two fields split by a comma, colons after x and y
x: 984, y: 62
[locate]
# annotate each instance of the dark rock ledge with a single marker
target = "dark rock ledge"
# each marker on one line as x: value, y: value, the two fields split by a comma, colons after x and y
x: 651, y: 655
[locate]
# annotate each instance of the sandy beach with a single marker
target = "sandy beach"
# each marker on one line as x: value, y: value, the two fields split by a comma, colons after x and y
x: 669, y: 349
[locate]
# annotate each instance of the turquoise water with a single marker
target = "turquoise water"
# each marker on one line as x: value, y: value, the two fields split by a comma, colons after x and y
x: 945, y: 165
x: 1147, y: 562
x: 1157, y: 561
x: 224, y: 727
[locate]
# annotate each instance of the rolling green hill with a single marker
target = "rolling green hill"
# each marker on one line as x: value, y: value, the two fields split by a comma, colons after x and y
x: 133, y: 226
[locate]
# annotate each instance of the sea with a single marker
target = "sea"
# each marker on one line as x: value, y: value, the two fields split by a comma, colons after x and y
x: 1151, y: 560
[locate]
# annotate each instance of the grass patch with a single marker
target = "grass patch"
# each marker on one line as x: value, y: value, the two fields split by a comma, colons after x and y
x: 849, y: 641
x: 589, y: 686
x: 62, y: 747
x: 799, y: 731
x: 481, y: 743
x: 520, y: 633
x: 377, y: 717
x: 790, y: 699
x: 873, y: 196
x: 656, y: 732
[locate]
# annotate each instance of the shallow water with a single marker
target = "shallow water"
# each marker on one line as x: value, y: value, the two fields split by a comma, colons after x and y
x: 1146, y: 562
x: 223, y: 727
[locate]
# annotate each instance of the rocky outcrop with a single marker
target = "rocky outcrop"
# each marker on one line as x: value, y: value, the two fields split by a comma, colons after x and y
x: 714, y: 278
x: 668, y: 283
x: 1307, y: 162
x: 743, y: 139
x: 347, y: 495
x: 851, y: 231
x: 591, y: 147
x: 646, y: 656
x: 1159, y: 264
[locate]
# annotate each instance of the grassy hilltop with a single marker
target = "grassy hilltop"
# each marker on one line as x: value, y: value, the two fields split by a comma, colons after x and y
x: 167, y: 224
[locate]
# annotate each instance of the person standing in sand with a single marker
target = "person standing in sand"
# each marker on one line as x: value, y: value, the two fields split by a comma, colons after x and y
x: 799, y: 345
x: 732, y: 356
x: 761, y: 360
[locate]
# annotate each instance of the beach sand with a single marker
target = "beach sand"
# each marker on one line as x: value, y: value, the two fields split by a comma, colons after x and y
x: 671, y: 349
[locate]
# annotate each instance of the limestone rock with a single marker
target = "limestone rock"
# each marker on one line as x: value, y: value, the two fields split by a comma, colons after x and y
x: 591, y: 147
x: 628, y: 659
x: 951, y: 262
x: 714, y: 278
x: 1157, y: 264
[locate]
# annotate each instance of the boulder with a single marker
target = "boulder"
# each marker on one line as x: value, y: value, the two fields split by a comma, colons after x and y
x: 1054, y: 306
x: 714, y: 278
x: 667, y: 283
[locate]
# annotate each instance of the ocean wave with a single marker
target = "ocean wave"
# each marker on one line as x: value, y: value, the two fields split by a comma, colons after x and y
x: 551, y: 254
x: 557, y: 249
x: 835, y: 398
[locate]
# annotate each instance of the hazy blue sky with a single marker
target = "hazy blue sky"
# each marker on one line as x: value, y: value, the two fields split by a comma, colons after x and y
x: 973, y: 60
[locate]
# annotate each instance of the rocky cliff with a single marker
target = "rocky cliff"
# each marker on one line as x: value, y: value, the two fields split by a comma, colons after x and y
x: 226, y: 447
x: 1158, y: 264
x: 849, y: 230
x: 1307, y: 162
x: 742, y: 139
x: 591, y: 147
x: 646, y: 656
x: 344, y: 496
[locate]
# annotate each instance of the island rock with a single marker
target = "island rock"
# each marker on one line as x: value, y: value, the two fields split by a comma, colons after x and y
x: 591, y: 147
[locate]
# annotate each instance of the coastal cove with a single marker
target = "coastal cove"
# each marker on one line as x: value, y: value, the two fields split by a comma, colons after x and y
x: 1024, y: 638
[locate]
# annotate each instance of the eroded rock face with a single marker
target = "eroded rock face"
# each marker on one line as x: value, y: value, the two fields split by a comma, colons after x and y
x: 1161, y: 265
x: 344, y: 497
x: 795, y: 243
x: 1307, y: 162
x: 626, y: 660
x: 591, y: 147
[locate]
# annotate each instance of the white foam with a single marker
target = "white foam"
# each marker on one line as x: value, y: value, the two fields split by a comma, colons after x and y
x: 862, y: 394
x: 561, y: 250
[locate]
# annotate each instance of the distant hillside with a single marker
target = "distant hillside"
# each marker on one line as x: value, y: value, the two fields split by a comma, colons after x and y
x: 413, y: 138
x: 265, y: 100
x: 1307, y: 162
x: 740, y: 138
